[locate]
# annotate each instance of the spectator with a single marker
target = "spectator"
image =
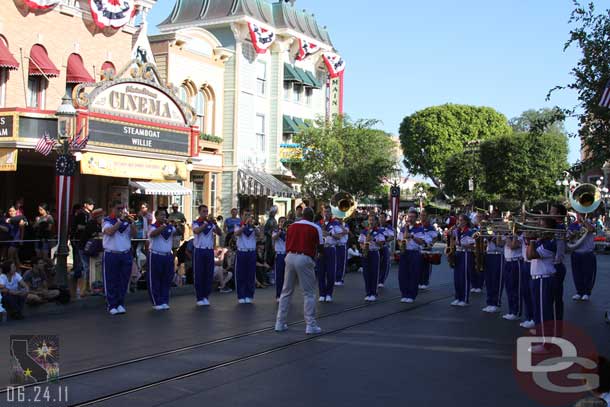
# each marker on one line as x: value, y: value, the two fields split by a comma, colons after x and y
x: 188, y: 261
x: 19, y: 211
x: 178, y: 219
x: 228, y: 264
x: 230, y: 224
x: 4, y: 235
x: 81, y: 217
x: 262, y: 267
x: 353, y: 258
x: 17, y: 224
x: 221, y: 276
x: 298, y: 213
x: 42, y: 231
x: 13, y: 289
x: 90, y: 246
x: 36, y: 281
x: 270, y: 226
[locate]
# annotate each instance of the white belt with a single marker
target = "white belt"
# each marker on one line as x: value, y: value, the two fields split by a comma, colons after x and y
x: 514, y: 259
x: 160, y: 253
x: 246, y: 250
x: 276, y: 252
x: 539, y: 277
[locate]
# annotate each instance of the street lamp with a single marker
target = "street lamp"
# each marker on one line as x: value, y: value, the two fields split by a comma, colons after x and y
x: 421, y: 195
x: 64, y: 170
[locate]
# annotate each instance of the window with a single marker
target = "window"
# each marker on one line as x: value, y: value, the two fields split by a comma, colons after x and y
x: 108, y: 70
x: 308, y: 95
x: 213, y: 194
x: 261, y: 78
x: 287, y: 89
x: 198, y: 193
x: 297, y: 93
x: 200, y: 111
x: 36, y: 91
x: 3, y: 79
x: 183, y: 94
x: 260, y: 132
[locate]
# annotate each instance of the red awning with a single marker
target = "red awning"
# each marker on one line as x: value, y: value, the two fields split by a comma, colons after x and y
x: 6, y: 58
x: 40, y: 63
x: 77, y: 73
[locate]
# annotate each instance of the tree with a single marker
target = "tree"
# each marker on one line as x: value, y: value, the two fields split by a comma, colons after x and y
x: 459, y: 170
x: 591, y: 73
x: 430, y: 137
x: 345, y: 156
x: 539, y: 121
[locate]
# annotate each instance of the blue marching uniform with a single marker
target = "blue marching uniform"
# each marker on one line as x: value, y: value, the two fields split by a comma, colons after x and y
x: 584, y: 263
x: 494, y: 267
x: 410, y: 264
x: 371, y: 262
x: 386, y: 255
x: 559, y: 276
x: 542, y: 271
x: 160, y: 265
x: 245, y: 263
x: 203, y: 259
x: 464, y: 265
x: 327, y: 265
x: 426, y: 267
x: 279, y: 266
x: 342, y: 257
x: 116, y: 263
x: 526, y: 304
x: 477, y: 279
x: 513, y: 260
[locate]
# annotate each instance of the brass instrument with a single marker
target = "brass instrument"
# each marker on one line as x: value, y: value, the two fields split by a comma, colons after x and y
x: 479, y: 252
x: 450, y: 249
x: 365, y: 249
x: 586, y: 198
x: 342, y: 205
x: 402, y: 246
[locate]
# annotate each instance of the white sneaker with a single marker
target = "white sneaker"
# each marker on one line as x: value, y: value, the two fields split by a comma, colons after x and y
x: 473, y: 290
x: 360, y: 270
x: 404, y: 299
x: 486, y: 309
x: 462, y: 304
x: 329, y: 298
x: 205, y: 302
x: 241, y: 301
x: 527, y: 324
x: 423, y: 287
x: 281, y: 327
x: 121, y: 309
x: 373, y: 298
x: 322, y: 299
x: 409, y: 300
x: 157, y: 307
x: 380, y: 285
x: 248, y: 300
x: 510, y: 317
x: 585, y: 297
x: 313, y: 329
x: 455, y: 302
x: 492, y: 309
x: 576, y: 297
x: 367, y: 298
x: 113, y: 311
x: 201, y: 303
x: 338, y: 283
x: 165, y: 306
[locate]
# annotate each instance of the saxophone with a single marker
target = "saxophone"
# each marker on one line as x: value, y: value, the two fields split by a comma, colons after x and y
x: 450, y: 249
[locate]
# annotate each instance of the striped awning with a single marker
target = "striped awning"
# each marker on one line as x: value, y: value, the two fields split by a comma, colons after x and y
x: 258, y: 183
x: 159, y: 188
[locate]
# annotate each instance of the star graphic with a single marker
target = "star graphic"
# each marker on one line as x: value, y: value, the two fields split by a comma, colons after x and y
x: 27, y: 373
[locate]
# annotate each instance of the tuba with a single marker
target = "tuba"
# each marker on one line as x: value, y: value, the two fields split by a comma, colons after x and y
x: 585, y: 199
x: 342, y: 205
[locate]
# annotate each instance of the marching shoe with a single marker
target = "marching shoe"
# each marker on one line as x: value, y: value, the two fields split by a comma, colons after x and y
x: 322, y: 299
x: 338, y: 283
x: 367, y: 298
x: 165, y: 306
x: 473, y: 290
x: 201, y: 303
x: 329, y: 298
x: 404, y: 299
x: 462, y: 304
x: 576, y: 297
x: 373, y: 298
x: 510, y: 317
x: 409, y: 300
x: 205, y: 302
x: 249, y: 300
x: 492, y: 309
x: 121, y: 310
x: 113, y: 311
x: 313, y: 329
x: 281, y: 327
x: 455, y: 302
x: 157, y: 307
x: 241, y: 301
x: 585, y: 297
x: 360, y: 270
x: 527, y: 324
x: 380, y: 285
x: 486, y: 309
x: 424, y: 287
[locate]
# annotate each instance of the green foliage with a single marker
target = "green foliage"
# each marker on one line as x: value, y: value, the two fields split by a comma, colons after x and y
x: 592, y: 37
x: 211, y: 138
x: 345, y: 156
x: 430, y: 137
x: 539, y: 121
x: 459, y: 169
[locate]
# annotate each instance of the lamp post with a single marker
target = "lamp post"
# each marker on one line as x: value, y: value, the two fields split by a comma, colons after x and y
x: 421, y: 195
x: 64, y: 170
x: 563, y: 182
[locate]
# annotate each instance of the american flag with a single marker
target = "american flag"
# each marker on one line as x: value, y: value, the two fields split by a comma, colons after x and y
x: 45, y: 145
x: 605, y: 100
x: 78, y: 142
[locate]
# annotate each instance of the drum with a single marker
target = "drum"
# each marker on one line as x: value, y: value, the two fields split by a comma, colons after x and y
x: 433, y: 258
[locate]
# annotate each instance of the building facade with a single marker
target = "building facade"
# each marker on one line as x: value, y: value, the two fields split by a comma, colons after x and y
x: 276, y: 83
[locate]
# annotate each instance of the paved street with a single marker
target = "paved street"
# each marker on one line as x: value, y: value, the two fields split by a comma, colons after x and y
x: 388, y: 353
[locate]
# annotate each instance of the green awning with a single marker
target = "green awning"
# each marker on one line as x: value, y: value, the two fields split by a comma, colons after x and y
x: 290, y: 127
x: 305, y: 79
x: 299, y: 123
x: 290, y: 74
x: 314, y: 80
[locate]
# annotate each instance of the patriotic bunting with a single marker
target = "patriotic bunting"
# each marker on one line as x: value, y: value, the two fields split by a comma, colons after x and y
x: 41, y: 4
x: 79, y: 142
x: 262, y: 38
x: 112, y: 13
x: 45, y: 145
x: 605, y: 100
x: 334, y: 63
x: 306, y: 49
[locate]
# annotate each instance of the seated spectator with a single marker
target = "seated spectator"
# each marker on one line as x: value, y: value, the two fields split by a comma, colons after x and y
x: 262, y: 268
x: 36, y: 280
x: 188, y: 261
x: 228, y: 264
x: 353, y: 258
x: 221, y: 276
x: 14, y: 290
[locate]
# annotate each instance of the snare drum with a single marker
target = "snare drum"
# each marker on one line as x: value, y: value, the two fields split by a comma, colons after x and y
x: 433, y: 258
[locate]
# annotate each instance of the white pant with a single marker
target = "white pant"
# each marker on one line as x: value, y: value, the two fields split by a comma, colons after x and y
x: 302, y: 267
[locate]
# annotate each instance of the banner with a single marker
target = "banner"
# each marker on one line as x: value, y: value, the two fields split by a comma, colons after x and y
x: 334, y: 63
x: 112, y: 13
x: 64, y: 178
x: 306, y: 49
x: 262, y: 38
x: 41, y: 4
x: 395, y: 204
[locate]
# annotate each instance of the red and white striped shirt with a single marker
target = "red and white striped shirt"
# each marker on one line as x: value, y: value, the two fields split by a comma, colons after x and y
x: 304, y: 237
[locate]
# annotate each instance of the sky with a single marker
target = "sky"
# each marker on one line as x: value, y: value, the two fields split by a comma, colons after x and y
x: 404, y: 56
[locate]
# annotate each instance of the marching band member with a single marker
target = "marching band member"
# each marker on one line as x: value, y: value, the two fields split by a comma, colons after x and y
x: 245, y: 261
x: 342, y: 254
x: 584, y: 262
x: 371, y: 239
x: 385, y: 252
x: 464, y: 261
x: 160, y: 261
x: 332, y: 231
x: 513, y: 258
x: 279, y: 243
x: 426, y: 269
x: 118, y: 228
x: 410, y: 257
x: 542, y: 254
x: 494, y: 265
x: 477, y: 279
x: 526, y: 305
x: 204, y: 229
x: 560, y: 269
